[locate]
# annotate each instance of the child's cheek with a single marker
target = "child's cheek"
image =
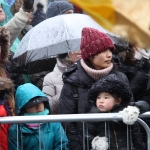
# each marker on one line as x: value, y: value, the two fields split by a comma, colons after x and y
x: 108, y: 105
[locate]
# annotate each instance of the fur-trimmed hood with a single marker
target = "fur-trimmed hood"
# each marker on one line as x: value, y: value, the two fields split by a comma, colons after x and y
x: 5, y: 44
x: 112, y: 85
x: 7, y: 85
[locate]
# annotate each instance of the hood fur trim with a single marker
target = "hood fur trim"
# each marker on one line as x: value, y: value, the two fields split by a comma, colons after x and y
x: 6, y: 84
x: 5, y: 44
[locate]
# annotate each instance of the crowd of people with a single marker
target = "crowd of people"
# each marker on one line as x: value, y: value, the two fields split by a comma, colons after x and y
x: 97, y: 78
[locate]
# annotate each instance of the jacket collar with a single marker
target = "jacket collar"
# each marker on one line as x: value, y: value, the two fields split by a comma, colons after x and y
x: 60, y: 67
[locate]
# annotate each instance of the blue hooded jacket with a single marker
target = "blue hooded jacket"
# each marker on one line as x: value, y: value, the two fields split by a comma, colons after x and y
x: 48, y: 136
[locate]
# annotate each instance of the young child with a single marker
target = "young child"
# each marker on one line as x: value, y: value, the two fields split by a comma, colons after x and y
x: 31, y: 101
x: 110, y: 95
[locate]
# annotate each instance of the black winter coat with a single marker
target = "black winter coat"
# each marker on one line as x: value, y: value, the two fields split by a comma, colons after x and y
x: 76, y: 76
x: 116, y: 132
x: 137, y: 75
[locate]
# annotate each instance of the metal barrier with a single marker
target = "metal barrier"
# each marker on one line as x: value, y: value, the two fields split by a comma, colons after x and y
x: 75, y: 118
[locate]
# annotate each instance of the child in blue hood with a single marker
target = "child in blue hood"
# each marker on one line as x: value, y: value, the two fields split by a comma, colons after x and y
x: 31, y: 101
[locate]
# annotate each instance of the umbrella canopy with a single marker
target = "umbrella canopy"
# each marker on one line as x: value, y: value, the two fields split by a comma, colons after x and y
x: 56, y: 35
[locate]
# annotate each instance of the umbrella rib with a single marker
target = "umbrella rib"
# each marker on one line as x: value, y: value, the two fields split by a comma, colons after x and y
x: 31, y: 36
x: 29, y: 59
x: 67, y: 34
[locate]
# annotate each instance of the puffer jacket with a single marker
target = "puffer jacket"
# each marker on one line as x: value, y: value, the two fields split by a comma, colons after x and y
x: 53, y: 84
x: 48, y: 136
x: 76, y: 76
x: 17, y: 23
x: 116, y: 132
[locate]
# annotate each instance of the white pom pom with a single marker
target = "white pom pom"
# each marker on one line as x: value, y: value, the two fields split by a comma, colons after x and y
x: 100, y: 143
x: 130, y: 114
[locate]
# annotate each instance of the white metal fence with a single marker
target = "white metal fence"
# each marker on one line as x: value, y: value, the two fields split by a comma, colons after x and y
x: 76, y: 118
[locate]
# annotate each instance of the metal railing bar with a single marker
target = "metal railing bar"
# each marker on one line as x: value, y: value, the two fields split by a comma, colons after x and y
x: 75, y: 118
x: 147, y: 129
x: 65, y: 118
x: 61, y: 118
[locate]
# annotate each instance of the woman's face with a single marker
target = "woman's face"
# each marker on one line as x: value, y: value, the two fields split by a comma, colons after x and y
x: 74, y: 56
x: 2, y: 15
x: 101, y: 60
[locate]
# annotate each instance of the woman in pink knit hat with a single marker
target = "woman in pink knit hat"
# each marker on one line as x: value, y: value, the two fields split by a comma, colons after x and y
x: 96, y: 63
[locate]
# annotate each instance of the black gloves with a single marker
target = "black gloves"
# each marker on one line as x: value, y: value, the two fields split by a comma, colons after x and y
x: 142, y: 105
x: 28, y: 5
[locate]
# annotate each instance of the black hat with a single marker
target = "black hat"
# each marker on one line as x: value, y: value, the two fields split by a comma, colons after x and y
x: 40, y: 6
x: 63, y: 56
x: 112, y: 85
x: 58, y: 7
x: 34, y: 101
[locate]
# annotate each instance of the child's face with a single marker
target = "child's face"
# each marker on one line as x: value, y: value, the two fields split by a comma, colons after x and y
x: 105, y: 102
x: 36, y: 108
x: 2, y: 15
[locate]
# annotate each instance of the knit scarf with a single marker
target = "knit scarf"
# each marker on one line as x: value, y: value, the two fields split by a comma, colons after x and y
x: 96, y: 74
x: 36, y: 125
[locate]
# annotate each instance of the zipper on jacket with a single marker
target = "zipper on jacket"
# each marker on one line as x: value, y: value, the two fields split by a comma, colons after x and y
x: 115, y: 136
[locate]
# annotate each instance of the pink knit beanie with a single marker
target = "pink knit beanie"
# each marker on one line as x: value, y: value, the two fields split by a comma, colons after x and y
x: 93, y: 42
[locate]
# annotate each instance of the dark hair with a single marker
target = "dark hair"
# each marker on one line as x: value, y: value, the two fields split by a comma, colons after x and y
x: 89, y: 64
x: 40, y: 6
x: 62, y: 56
x: 115, y: 96
x: 130, y: 55
x: 5, y: 44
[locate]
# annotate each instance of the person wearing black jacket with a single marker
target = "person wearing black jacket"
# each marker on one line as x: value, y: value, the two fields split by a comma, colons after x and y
x: 110, y: 95
x: 135, y: 64
x: 96, y: 51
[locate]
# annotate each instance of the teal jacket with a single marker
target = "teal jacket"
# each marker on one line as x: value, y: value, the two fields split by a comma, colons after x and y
x: 48, y: 136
